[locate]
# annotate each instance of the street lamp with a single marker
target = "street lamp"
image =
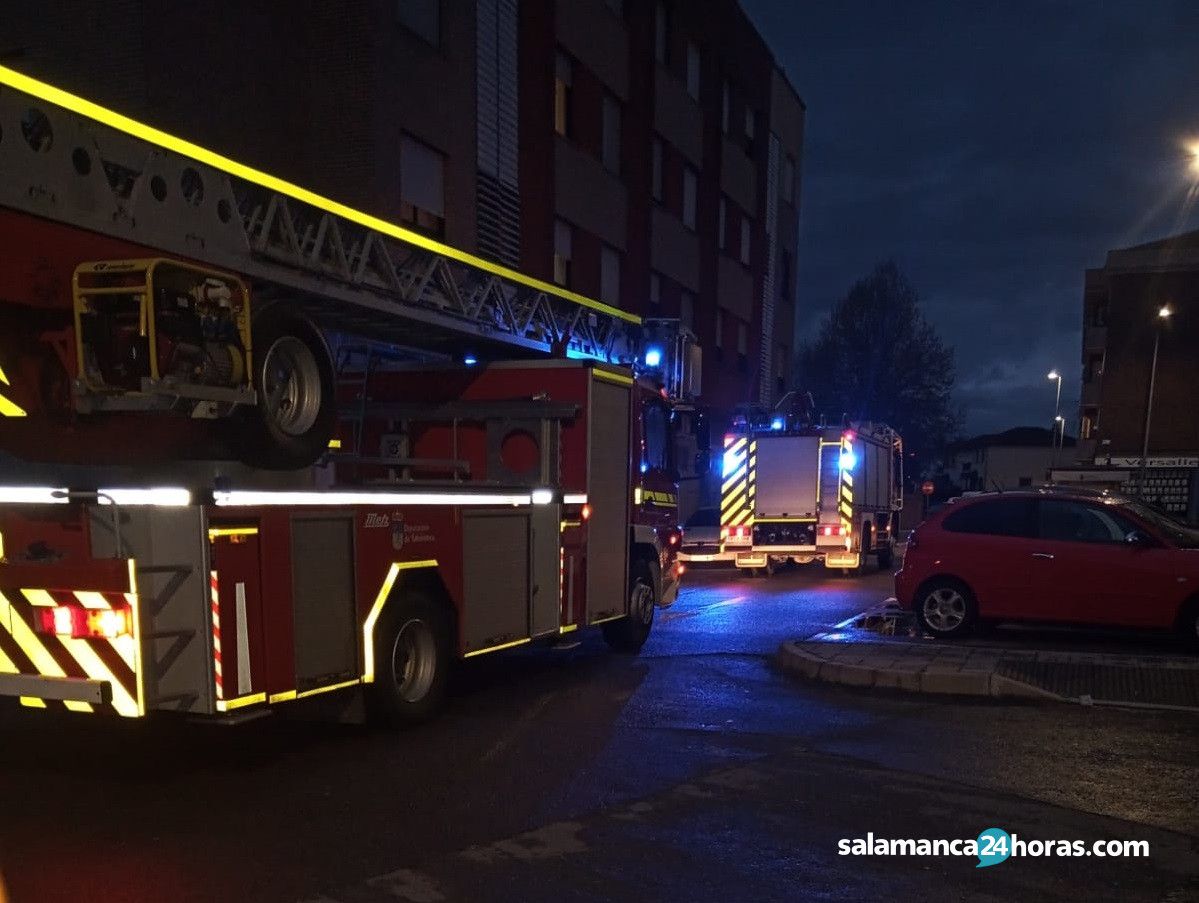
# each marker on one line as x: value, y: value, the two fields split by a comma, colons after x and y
x: 1163, y: 314
x: 1057, y: 411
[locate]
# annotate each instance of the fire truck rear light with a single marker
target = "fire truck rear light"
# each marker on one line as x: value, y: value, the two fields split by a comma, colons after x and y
x: 827, y: 531
x: 586, y: 512
x: 83, y: 623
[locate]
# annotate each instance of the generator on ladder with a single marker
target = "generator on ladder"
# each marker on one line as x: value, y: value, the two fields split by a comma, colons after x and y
x: 802, y: 492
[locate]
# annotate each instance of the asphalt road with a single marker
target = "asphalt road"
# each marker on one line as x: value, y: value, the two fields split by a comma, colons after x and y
x: 691, y: 772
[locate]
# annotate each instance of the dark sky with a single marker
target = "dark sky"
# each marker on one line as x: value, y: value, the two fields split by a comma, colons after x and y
x: 995, y: 151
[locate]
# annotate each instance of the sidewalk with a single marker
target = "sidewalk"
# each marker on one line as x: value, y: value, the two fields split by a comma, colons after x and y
x: 879, y: 648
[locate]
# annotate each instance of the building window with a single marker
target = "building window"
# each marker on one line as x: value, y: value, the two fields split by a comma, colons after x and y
x: 563, y: 77
x: 611, y: 138
x: 422, y: 186
x: 745, y: 225
x: 742, y: 345
x: 785, y: 275
x: 662, y: 34
x: 610, y: 276
x: 726, y: 103
x: 655, y: 290
x: 789, y: 180
x: 563, y: 241
x: 422, y: 18
x: 693, y: 70
x: 687, y: 309
x: 690, y: 180
x: 1093, y: 369
x: 721, y: 222
x: 657, y: 152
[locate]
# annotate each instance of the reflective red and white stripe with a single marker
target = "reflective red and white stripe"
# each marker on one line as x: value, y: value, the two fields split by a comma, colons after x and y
x: 218, y: 677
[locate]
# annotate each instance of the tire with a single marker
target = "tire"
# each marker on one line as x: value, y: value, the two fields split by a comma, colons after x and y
x: 413, y: 657
x: 945, y: 608
x: 296, y: 414
x: 630, y: 633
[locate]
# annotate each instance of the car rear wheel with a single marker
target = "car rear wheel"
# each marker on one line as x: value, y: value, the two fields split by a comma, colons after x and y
x: 1188, y: 624
x: 945, y: 608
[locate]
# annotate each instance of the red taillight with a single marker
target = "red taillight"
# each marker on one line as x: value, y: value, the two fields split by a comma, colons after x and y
x: 681, y: 569
x: 674, y: 539
x: 743, y: 532
x: 827, y: 531
x: 586, y: 512
x: 86, y: 623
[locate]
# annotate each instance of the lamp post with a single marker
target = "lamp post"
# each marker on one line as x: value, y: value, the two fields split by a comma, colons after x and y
x: 1163, y: 314
x: 1057, y: 412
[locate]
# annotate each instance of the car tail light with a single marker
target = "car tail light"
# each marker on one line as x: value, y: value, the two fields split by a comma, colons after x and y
x: 86, y: 623
x: 830, y: 530
x: 681, y: 569
x: 586, y: 512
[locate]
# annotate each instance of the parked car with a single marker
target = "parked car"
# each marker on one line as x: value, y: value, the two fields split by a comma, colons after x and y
x: 701, y: 538
x: 1051, y: 555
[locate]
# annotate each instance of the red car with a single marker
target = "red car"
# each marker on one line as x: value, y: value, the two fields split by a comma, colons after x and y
x: 1050, y: 555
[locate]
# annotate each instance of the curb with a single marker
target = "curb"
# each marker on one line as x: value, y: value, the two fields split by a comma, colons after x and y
x: 927, y: 679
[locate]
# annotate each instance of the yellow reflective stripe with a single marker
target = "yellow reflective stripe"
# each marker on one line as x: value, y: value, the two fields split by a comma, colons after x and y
x: 121, y: 123
x: 731, y: 504
x: 95, y: 668
x: 41, y: 658
x: 317, y: 691
x: 567, y: 628
x: 847, y: 478
x: 738, y: 444
x: 33, y: 702
x: 506, y: 645
x: 846, y: 494
x: 606, y: 620
x: 39, y: 597
x: 282, y: 697
x: 91, y: 600
x: 9, y: 408
x: 743, y: 516
x: 846, y: 510
x: 75, y: 705
x: 217, y: 532
x: 6, y: 664
x: 731, y: 480
x: 226, y: 705
x: 619, y: 378
x: 368, y: 626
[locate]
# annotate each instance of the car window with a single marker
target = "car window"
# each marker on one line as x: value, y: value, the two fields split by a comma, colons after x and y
x: 1067, y: 521
x: 704, y: 517
x: 994, y: 517
x: 1177, y: 532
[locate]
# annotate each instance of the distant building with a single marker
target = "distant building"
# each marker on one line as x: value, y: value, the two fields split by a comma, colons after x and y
x: 1022, y: 456
x: 1121, y: 301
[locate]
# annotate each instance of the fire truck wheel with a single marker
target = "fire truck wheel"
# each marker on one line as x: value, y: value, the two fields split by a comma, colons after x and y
x: 412, y: 662
x: 294, y: 419
x: 630, y: 633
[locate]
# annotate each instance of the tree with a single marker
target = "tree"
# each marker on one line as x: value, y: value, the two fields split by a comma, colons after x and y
x: 876, y: 358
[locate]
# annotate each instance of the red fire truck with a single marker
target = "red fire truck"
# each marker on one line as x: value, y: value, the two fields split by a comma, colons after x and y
x: 257, y: 446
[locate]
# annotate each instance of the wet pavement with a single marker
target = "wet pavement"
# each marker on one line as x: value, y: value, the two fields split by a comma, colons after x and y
x: 694, y: 771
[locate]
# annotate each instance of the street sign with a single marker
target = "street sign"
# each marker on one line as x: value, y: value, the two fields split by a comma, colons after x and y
x: 927, y: 487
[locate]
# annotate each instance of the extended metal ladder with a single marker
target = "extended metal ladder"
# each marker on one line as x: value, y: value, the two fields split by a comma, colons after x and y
x: 66, y: 159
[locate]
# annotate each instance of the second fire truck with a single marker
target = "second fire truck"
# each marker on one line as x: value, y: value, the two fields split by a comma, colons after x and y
x: 803, y: 492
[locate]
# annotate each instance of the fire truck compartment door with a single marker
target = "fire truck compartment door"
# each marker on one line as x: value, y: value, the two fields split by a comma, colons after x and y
x: 496, y: 579
x: 787, y: 476
x: 322, y: 565
x: 609, y: 494
x: 170, y: 547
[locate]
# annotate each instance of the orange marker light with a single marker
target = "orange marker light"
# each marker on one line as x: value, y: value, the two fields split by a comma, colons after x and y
x: 586, y: 512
